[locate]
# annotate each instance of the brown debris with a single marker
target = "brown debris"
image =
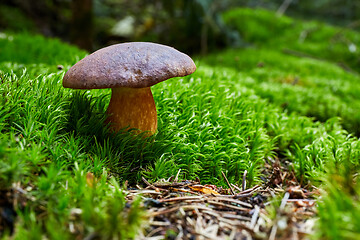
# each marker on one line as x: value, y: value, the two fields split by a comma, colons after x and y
x: 296, y: 192
x: 189, y: 210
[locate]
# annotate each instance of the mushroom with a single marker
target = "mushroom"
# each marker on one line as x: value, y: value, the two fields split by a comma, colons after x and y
x: 129, y: 69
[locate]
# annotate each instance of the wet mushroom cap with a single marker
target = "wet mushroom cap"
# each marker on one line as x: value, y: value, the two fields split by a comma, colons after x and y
x: 134, y: 65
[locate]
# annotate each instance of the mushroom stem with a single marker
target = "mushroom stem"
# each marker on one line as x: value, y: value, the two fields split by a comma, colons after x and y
x: 132, y: 108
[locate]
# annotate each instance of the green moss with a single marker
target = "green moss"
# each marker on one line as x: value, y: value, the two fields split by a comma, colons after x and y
x: 25, y: 48
x: 257, y: 25
x: 265, y: 29
x: 339, y: 207
x: 298, y: 83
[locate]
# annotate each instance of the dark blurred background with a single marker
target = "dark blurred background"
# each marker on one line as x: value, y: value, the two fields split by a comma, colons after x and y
x: 192, y: 26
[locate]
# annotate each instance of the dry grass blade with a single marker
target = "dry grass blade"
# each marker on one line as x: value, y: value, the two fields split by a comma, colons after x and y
x: 227, y: 206
x: 227, y: 181
x: 177, y: 175
x: 180, y: 199
x: 232, y: 201
x: 185, y: 208
x: 244, y: 181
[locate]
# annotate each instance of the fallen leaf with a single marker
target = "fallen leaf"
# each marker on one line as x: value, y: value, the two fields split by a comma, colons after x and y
x: 203, y: 189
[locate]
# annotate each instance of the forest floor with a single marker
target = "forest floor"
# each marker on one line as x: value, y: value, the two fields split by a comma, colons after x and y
x: 260, y: 142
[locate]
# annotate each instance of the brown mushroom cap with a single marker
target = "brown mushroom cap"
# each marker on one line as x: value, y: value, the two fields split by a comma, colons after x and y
x: 134, y: 65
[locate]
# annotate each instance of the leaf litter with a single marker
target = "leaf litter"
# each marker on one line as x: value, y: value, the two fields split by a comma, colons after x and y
x: 188, y: 210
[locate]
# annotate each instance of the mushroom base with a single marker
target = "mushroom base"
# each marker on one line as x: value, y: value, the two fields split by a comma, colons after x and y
x: 132, y: 108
